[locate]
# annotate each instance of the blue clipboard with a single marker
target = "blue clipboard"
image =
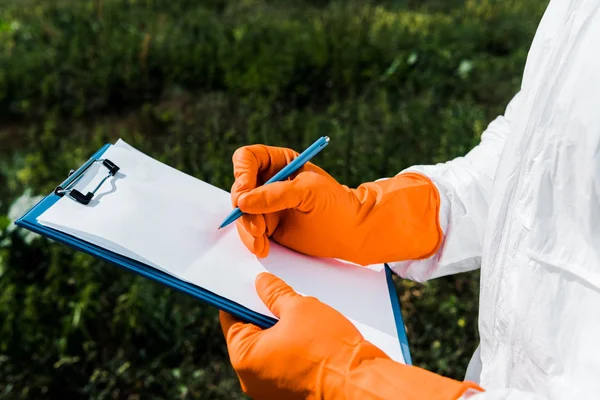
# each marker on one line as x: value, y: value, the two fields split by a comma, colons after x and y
x: 29, y: 222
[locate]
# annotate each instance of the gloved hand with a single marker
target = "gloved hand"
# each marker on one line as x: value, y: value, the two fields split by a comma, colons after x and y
x: 386, y: 221
x: 313, y: 352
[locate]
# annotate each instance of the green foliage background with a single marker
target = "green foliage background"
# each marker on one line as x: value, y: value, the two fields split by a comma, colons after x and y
x: 394, y: 83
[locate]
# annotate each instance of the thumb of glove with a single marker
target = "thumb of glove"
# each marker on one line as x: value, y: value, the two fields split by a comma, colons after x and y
x: 279, y: 196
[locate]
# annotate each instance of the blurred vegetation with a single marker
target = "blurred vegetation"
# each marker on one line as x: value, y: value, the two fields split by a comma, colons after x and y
x: 394, y: 83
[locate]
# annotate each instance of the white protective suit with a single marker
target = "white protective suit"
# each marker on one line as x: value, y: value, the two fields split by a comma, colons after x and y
x: 524, y: 205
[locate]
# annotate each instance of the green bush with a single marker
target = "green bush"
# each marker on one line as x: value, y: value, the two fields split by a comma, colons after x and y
x: 188, y: 82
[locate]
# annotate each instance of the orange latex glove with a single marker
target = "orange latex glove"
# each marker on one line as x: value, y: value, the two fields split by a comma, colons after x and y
x: 391, y: 220
x: 313, y: 352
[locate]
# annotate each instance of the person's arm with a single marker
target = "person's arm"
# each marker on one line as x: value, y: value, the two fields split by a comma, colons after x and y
x: 465, y: 185
x: 433, y: 216
x: 314, y: 352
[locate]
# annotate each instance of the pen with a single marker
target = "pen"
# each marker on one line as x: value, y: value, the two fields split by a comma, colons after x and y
x: 285, y: 173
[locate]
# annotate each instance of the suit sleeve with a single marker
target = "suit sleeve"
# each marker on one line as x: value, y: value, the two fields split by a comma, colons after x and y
x: 465, y: 185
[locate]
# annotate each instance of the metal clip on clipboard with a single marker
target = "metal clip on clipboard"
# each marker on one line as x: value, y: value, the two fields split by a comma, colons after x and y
x: 67, y: 186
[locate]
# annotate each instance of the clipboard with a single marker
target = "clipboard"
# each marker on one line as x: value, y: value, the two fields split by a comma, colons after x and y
x: 29, y: 221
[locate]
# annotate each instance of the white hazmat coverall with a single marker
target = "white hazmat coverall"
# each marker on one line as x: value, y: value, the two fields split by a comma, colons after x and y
x: 524, y: 205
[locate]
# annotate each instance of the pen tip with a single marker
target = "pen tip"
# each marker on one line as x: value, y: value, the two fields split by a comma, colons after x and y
x: 218, y: 228
x: 327, y: 138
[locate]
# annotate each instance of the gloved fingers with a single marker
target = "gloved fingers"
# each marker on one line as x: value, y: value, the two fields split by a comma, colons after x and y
x: 246, y: 167
x: 259, y: 224
x: 278, y: 196
x: 271, y: 223
x: 253, y: 165
x: 227, y: 321
x: 255, y: 224
x: 258, y: 245
x: 277, y: 295
x: 239, y: 337
x: 255, y: 230
x: 236, y: 330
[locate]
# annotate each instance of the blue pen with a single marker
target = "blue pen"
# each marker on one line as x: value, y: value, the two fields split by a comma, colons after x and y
x: 285, y: 173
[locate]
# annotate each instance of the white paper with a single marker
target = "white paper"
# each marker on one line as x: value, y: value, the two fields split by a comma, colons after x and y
x: 164, y: 218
